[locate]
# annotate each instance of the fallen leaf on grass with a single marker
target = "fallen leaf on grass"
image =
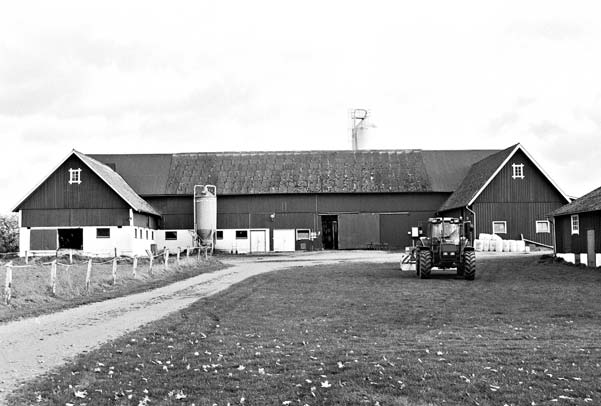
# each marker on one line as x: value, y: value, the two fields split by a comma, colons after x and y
x: 80, y: 394
x: 326, y: 384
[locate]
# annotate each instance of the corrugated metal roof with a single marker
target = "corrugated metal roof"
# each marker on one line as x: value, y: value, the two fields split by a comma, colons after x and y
x: 118, y: 184
x: 477, y: 176
x: 589, y: 202
x: 260, y: 172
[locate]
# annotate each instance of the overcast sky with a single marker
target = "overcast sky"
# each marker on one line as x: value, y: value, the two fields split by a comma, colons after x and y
x: 125, y: 77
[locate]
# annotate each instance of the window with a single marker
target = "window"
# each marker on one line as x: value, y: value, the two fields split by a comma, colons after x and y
x: 103, y: 233
x: 74, y: 176
x: 146, y: 234
x: 518, y: 171
x: 152, y: 234
x: 219, y: 234
x: 241, y: 234
x: 135, y: 233
x: 303, y: 234
x: 543, y: 226
x: 575, y: 224
x: 171, y: 235
x: 499, y: 227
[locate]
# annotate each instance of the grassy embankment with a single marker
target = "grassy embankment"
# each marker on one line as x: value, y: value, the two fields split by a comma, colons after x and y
x: 32, y: 294
x: 522, y: 333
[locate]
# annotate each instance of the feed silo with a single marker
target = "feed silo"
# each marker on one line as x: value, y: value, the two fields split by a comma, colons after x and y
x: 205, y: 213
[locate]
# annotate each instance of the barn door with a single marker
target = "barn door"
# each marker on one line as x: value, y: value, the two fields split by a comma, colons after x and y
x: 257, y: 240
x: 590, y: 248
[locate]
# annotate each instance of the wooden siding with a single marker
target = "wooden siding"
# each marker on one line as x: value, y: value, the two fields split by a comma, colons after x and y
x: 75, y: 217
x: 519, y: 202
x: 577, y: 243
x: 43, y: 240
x: 145, y: 220
x: 57, y: 193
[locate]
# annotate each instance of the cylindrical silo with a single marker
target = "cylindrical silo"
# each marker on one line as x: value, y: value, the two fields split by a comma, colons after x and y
x: 205, y: 213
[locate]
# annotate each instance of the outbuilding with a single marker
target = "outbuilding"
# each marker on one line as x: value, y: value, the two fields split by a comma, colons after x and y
x: 578, y: 230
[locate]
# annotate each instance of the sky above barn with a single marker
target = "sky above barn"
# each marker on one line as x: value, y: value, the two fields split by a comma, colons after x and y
x: 151, y: 77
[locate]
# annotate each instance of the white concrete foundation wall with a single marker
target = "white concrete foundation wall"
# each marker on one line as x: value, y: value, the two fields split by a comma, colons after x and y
x: 185, y: 239
x: 230, y: 243
x: 23, y: 241
x: 571, y: 258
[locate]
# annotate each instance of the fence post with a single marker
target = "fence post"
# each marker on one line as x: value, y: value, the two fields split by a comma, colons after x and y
x: 206, y: 249
x: 89, y: 275
x: 198, y: 255
x: 8, y: 283
x: 70, y: 256
x: 114, y: 271
x: 150, y: 259
x: 187, y: 254
x: 166, y: 258
x: 135, y: 266
x: 26, y: 257
x: 177, y: 257
x: 53, y: 277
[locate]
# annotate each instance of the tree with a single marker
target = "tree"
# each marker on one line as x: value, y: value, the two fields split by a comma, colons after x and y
x: 9, y: 233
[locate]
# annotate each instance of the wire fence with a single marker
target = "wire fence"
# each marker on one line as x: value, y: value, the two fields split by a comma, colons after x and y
x: 73, y: 274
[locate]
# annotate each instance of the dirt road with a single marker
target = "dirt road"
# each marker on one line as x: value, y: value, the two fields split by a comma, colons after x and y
x: 33, y: 346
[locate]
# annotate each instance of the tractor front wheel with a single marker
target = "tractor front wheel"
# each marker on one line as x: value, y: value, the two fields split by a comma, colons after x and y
x: 425, y: 264
x: 469, y: 264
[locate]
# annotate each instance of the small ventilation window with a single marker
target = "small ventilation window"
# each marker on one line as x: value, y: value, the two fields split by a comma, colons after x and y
x: 241, y: 234
x: 103, y: 233
x: 219, y: 234
x: 74, y: 176
x: 171, y: 235
x: 499, y: 227
x: 518, y: 171
x: 543, y: 226
x: 303, y: 234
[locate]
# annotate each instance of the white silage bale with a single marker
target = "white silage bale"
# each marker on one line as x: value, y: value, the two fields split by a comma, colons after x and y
x: 512, y: 246
x: 499, y: 245
x: 478, y: 245
x: 485, y: 245
x: 484, y: 237
x: 520, y: 246
x: 506, y: 244
x: 492, y: 245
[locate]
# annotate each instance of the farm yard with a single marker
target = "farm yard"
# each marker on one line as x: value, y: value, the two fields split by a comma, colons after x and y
x: 526, y: 331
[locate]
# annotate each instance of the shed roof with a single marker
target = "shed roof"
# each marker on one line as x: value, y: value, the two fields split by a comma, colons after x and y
x: 235, y: 173
x: 589, y: 202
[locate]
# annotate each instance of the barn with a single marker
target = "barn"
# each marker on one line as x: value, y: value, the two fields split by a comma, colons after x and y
x: 284, y: 201
x: 578, y: 230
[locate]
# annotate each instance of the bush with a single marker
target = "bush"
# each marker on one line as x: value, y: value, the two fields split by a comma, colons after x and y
x: 9, y: 233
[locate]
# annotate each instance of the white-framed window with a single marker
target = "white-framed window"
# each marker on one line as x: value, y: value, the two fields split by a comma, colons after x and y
x: 499, y: 227
x: 104, y: 232
x: 575, y: 220
x: 518, y: 171
x: 171, y: 235
x: 543, y: 226
x: 74, y: 176
x: 303, y: 234
x: 241, y: 234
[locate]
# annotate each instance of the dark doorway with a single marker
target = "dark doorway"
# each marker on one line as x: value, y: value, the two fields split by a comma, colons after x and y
x: 71, y: 238
x: 329, y: 232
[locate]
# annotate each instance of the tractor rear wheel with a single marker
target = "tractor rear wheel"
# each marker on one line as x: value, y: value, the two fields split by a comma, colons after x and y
x: 469, y: 261
x: 425, y: 264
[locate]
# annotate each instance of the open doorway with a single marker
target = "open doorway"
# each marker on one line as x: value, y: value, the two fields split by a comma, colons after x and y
x: 70, y: 238
x: 329, y: 232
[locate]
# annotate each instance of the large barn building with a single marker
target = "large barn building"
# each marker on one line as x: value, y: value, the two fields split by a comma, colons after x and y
x: 578, y: 230
x: 282, y: 201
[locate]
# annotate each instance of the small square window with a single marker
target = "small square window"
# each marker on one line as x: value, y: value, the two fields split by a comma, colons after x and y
x: 518, y: 171
x: 499, y: 227
x: 575, y: 220
x: 146, y: 234
x: 135, y: 233
x: 543, y: 226
x: 74, y: 176
x: 171, y: 235
x: 152, y: 234
x: 103, y: 233
x: 303, y: 234
x: 219, y: 235
x: 241, y: 234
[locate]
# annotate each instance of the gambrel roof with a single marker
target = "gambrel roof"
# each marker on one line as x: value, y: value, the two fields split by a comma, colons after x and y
x: 589, y: 202
x: 482, y: 173
x: 291, y: 172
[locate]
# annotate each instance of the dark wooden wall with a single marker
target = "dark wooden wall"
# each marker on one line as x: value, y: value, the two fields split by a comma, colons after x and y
x: 519, y: 202
x: 75, y: 217
x: 398, y: 211
x: 577, y: 243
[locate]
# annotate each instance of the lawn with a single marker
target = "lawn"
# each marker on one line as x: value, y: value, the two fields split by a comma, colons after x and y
x: 523, y: 333
x: 31, y: 288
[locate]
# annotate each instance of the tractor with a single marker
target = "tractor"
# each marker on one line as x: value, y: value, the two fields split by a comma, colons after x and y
x: 447, y: 244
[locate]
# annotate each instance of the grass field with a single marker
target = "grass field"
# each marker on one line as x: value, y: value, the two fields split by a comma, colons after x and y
x: 32, y: 294
x: 523, y: 333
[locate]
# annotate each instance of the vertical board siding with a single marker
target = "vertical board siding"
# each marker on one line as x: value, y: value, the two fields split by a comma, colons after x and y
x: 57, y: 193
x: 519, y: 202
x: 358, y: 230
x: 145, y: 220
x: 43, y: 240
x: 577, y: 243
x: 75, y: 217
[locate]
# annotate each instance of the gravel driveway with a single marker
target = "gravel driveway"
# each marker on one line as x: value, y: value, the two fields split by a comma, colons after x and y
x: 33, y: 346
